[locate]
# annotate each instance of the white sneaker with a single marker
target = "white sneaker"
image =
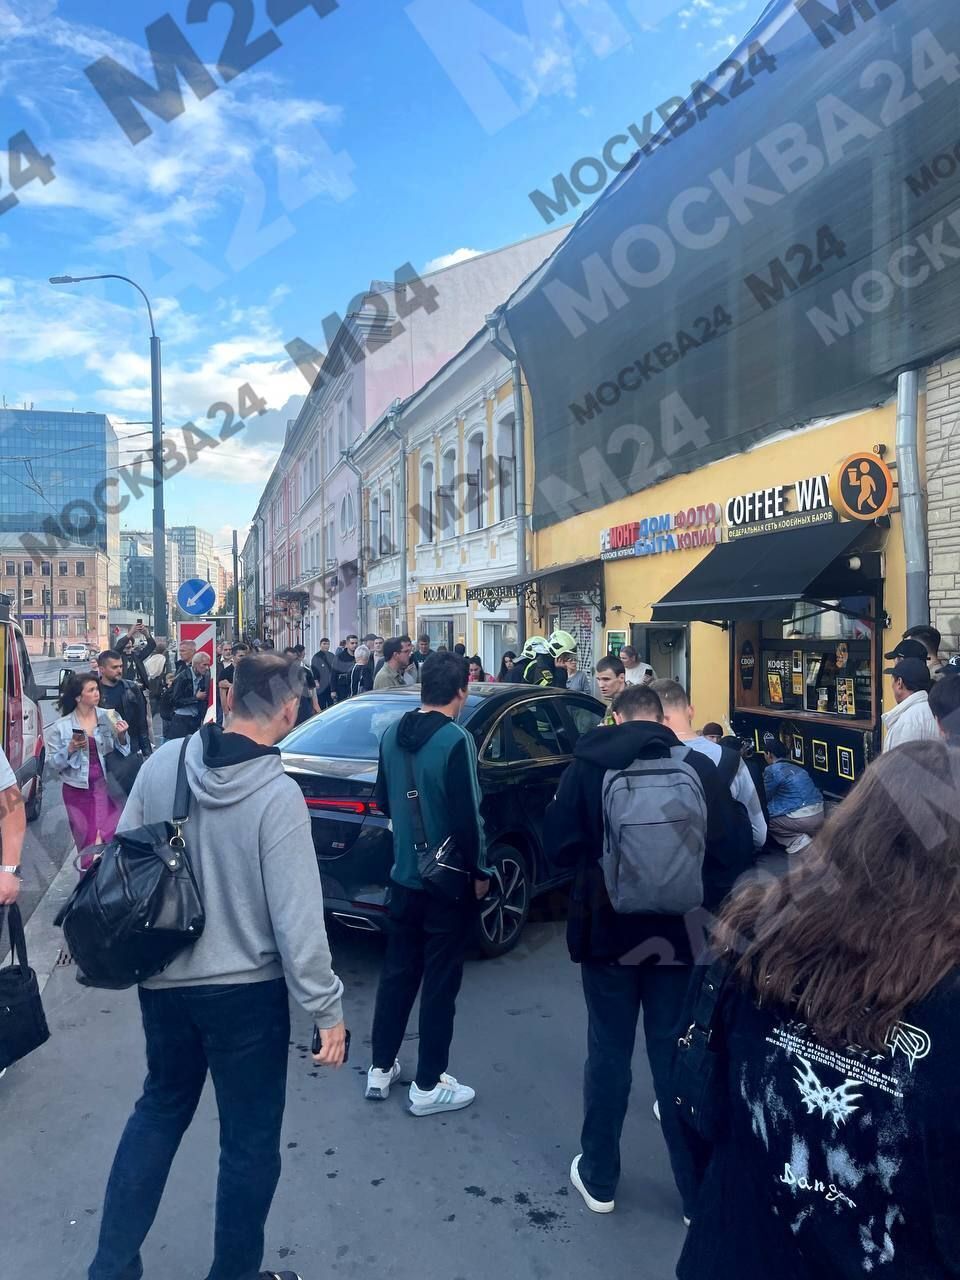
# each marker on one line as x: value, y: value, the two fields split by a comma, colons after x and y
x: 379, y: 1082
x: 656, y: 1110
x: 448, y: 1095
x: 598, y: 1206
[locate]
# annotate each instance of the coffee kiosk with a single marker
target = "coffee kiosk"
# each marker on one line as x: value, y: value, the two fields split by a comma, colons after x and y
x: 798, y: 582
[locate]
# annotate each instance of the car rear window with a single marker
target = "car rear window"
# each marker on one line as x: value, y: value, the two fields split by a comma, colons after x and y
x: 352, y: 730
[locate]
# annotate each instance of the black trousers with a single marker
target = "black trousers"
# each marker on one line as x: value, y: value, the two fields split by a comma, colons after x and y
x: 615, y: 995
x: 426, y: 944
x: 182, y: 726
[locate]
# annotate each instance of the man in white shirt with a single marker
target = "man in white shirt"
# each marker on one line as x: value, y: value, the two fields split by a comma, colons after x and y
x: 911, y: 719
x: 13, y: 825
x: 635, y: 671
x: 678, y: 714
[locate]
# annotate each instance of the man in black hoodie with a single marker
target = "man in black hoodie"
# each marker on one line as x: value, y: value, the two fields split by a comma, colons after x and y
x: 628, y: 962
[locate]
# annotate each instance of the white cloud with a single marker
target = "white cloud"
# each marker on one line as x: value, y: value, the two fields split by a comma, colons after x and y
x: 222, y: 160
x: 451, y: 259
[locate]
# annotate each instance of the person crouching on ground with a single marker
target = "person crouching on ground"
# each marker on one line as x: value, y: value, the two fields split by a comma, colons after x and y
x: 427, y: 936
x: 794, y: 801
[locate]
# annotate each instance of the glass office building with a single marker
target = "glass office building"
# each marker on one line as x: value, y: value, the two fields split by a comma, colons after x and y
x: 52, y: 467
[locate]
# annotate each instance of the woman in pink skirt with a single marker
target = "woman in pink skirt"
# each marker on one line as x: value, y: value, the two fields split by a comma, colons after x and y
x: 80, y: 743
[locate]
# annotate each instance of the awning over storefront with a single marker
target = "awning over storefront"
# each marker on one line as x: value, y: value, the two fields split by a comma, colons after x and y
x: 764, y: 576
x: 519, y: 587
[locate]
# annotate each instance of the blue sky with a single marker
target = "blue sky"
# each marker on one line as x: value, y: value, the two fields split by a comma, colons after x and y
x: 371, y: 137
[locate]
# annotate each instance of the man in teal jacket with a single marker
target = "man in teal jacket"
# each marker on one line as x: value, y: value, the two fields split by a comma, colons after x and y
x: 428, y: 935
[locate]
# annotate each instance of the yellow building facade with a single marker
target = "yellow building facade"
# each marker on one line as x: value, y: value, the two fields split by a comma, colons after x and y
x: 749, y: 500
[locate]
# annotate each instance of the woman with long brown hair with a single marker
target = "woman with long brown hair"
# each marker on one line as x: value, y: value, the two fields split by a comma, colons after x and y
x: 840, y: 1041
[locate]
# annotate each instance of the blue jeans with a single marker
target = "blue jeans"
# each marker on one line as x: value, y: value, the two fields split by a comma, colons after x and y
x: 615, y: 994
x: 241, y: 1034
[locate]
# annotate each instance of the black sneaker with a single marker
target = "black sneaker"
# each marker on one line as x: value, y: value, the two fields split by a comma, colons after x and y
x: 279, y: 1275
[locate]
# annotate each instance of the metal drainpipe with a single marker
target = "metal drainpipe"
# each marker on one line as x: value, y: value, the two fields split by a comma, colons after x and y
x: 493, y: 325
x: 912, y: 508
x: 393, y: 413
x: 361, y: 593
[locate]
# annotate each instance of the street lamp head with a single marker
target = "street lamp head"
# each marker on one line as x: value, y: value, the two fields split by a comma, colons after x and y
x: 62, y: 280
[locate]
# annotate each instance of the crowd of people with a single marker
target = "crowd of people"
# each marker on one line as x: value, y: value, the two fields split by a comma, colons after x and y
x: 823, y: 986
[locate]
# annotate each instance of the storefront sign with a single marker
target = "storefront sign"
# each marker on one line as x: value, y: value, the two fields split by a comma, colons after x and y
x: 442, y: 593
x: 681, y: 531
x: 862, y: 488
x: 493, y: 597
x: 748, y: 664
x: 781, y: 506
x: 615, y: 642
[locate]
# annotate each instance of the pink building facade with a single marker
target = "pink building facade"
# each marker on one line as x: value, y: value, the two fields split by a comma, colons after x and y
x: 313, y: 536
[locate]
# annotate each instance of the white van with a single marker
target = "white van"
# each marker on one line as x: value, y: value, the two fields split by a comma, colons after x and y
x: 21, y: 729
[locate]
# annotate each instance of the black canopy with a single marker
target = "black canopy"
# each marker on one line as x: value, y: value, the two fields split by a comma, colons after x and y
x: 764, y: 576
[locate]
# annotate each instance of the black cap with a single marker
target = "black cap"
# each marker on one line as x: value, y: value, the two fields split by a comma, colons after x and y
x: 909, y: 649
x: 951, y: 666
x: 914, y: 673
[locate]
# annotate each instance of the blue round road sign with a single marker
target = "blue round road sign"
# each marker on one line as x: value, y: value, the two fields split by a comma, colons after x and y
x: 196, y: 596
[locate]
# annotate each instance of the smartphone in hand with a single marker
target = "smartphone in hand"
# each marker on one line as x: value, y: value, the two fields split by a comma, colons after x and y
x: 315, y: 1045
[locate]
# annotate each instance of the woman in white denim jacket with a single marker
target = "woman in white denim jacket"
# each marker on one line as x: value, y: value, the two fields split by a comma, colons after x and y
x: 79, y: 744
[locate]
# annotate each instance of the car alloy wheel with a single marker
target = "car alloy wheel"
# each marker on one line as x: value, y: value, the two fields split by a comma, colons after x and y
x: 504, y: 911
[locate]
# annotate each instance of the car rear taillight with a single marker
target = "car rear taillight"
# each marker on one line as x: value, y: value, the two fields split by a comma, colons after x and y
x: 332, y: 803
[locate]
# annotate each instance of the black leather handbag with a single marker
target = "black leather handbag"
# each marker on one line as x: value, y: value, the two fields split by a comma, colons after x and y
x: 138, y: 905
x: 698, y: 1070
x: 441, y: 866
x: 23, y: 1026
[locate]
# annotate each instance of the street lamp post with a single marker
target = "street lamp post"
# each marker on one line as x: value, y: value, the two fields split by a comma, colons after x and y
x: 159, y: 521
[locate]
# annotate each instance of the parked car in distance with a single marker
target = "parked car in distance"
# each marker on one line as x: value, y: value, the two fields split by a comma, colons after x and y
x: 76, y: 651
x: 525, y: 739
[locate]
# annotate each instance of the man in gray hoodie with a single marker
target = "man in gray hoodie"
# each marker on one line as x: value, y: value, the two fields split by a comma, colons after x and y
x: 221, y: 1005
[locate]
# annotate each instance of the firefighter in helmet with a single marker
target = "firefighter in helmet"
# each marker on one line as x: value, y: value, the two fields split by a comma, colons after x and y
x: 537, y: 663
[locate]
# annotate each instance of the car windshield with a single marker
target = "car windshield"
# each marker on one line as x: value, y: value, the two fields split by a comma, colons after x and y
x: 351, y: 731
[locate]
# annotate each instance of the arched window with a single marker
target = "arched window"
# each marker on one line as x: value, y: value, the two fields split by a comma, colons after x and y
x: 426, y: 511
x: 375, y: 549
x: 475, y: 497
x: 506, y: 470
x: 448, y: 494
x: 348, y: 516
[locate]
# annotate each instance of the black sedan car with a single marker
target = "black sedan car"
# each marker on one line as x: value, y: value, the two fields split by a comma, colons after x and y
x: 525, y: 739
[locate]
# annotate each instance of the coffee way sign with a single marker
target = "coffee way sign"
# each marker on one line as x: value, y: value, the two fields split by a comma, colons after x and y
x: 795, y: 505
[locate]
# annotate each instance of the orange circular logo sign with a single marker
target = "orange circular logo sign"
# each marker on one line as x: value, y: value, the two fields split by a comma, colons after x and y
x: 862, y: 488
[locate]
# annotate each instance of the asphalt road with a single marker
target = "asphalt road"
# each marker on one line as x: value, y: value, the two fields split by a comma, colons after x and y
x: 367, y: 1190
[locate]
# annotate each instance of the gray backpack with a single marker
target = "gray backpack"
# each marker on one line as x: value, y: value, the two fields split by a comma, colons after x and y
x: 654, y: 836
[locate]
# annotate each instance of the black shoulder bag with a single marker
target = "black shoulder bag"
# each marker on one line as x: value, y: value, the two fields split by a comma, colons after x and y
x: 138, y: 905
x: 441, y: 866
x: 23, y: 1026
x: 698, y: 1068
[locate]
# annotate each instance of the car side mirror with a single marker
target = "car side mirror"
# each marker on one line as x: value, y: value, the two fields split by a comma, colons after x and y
x: 49, y: 693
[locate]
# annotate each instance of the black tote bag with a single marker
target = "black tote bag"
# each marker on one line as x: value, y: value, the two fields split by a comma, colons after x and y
x: 23, y: 1025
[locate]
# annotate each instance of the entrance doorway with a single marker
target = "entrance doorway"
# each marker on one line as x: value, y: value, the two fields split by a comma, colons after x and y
x: 665, y: 647
x: 498, y: 638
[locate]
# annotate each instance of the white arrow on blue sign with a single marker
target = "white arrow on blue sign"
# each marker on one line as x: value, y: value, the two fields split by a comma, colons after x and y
x: 196, y: 596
